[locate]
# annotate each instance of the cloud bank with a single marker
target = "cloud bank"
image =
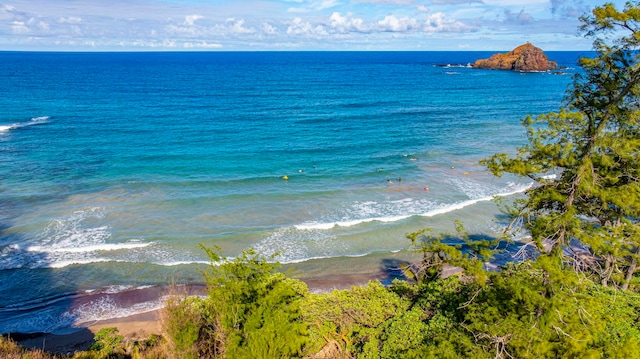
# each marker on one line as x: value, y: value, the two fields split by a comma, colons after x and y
x: 289, y: 24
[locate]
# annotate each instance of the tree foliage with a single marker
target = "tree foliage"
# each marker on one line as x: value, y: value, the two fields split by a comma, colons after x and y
x: 443, y: 251
x: 256, y: 308
x: 585, y: 158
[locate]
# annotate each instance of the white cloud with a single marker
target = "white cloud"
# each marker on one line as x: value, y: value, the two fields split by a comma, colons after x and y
x: 43, y: 26
x: 237, y: 27
x: 439, y: 23
x: 69, y: 20
x: 201, y: 45
x: 10, y: 12
x: 388, y: 2
x: 19, y: 27
x: 391, y: 23
x: 190, y: 19
x: 181, y: 30
x: 348, y: 23
x: 269, y: 29
x: 259, y: 24
x: 299, y: 27
x: 315, y: 5
x: 455, y: 2
x: 521, y: 17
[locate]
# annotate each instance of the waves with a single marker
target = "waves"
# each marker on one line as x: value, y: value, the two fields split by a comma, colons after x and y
x: 124, y: 187
x: 85, y: 236
x: 71, y: 239
x: 90, y: 248
x: 69, y: 311
x: 442, y: 209
x: 34, y: 121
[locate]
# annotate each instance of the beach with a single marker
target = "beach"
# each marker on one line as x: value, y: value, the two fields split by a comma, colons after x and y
x: 117, y: 168
x: 141, y: 326
x: 134, y: 327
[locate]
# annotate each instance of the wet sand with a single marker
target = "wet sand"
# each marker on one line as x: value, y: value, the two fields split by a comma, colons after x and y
x: 138, y: 326
x: 143, y: 325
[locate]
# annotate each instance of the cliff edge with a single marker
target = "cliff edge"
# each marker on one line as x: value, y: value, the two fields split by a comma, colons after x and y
x: 523, y: 58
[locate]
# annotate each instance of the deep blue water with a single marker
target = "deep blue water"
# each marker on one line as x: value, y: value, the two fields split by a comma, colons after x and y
x: 115, y: 166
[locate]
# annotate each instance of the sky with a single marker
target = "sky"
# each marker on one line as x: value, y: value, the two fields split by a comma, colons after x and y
x: 291, y: 25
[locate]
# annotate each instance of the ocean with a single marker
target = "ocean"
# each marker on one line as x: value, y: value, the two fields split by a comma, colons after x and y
x: 116, y: 167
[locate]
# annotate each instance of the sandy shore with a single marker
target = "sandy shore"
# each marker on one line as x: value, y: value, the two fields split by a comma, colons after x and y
x: 138, y: 326
x: 141, y: 326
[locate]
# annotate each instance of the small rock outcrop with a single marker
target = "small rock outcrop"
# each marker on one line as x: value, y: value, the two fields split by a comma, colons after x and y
x: 523, y: 58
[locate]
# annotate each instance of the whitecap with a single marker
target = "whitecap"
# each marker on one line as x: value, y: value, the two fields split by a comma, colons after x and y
x: 33, y: 121
x: 412, y: 208
x: 90, y: 248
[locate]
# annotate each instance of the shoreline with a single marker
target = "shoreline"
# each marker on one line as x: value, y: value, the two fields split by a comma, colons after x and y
x: 133, y: 327
x: 142, y: 325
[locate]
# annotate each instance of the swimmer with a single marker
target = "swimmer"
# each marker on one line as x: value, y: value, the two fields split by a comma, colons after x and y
x: 399, y: 179
x: 285, y: 177
x: 426, y: 188
x: 389, y: 181
x: 378, y: 170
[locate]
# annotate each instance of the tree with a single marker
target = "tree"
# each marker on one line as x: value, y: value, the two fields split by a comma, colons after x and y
x: 255, y: 309
x: 585, y: 158
x: 440, y: 251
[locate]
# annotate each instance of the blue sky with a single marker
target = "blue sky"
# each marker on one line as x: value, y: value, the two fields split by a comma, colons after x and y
x: 282, y: 25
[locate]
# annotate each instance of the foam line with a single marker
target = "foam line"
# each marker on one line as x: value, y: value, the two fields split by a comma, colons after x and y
x: 435, y: 212
x: 301, y: 260
x: 87, y: 249
x: 63, y: 264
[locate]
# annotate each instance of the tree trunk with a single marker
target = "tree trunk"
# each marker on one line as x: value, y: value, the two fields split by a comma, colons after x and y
x: 630, y: 271
x: 606, y: 273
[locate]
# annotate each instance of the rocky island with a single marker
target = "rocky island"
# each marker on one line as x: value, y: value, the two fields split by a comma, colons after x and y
x: 523, y: 58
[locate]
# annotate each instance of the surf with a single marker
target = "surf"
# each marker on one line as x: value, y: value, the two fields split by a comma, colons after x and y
x: 32, y: 122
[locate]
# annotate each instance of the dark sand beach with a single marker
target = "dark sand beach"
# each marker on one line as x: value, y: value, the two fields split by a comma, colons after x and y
x: 143, y: 325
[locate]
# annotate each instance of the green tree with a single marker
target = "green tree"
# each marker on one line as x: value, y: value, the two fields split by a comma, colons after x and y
x: 440, y: 251
x: 254, y: 308
x: 585, y: 158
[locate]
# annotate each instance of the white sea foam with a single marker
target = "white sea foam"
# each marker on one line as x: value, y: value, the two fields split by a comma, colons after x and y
x: 34, y: 121
x: 294, y: 245
x: 63, y: 263
x: 302, y: 260
x: 90, y: 248
x: 77, y: 238
x: 178, y: 263
x: 444, y: 208
x: 106, y: 307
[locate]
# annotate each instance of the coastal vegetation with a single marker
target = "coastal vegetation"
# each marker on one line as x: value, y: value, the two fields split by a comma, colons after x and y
x: 576, y: 294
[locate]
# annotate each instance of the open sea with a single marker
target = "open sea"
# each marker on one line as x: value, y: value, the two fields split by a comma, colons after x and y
x: 115, y: 167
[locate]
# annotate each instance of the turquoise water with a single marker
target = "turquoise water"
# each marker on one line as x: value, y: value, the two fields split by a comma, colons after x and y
x: 114, y: 167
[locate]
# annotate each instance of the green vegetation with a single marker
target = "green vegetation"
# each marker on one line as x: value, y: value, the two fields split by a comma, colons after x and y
x: 527, y: 310
x: 592, y: 146
x: 579, y: 298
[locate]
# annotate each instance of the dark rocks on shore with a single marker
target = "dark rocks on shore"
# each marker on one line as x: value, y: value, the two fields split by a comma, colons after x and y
x: 523, y: 58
